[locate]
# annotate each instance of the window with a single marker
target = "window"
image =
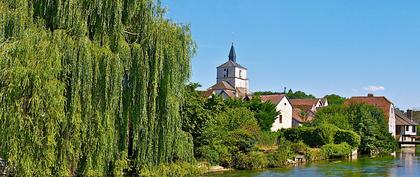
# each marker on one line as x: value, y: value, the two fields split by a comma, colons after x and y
x: 227, y: 72
x: 240, y: 73
x: 280, y: 119
x: 224, y: 72
x: 413, y: 129
x: 285, y: 104
x: 407, y: 128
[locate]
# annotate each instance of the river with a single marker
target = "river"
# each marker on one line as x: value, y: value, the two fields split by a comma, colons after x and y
x: 405, y: 164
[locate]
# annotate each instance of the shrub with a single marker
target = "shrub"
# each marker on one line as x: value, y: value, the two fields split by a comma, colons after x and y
x: 253, y: 160
x: 336, y: 150
x: 268, y: 138
x: 315, y: 154
x: 300, y: 148
x: 350, y: 137
x: 172, y: 170
x: 279, y: 158
x: 326, y: 133
x: 309, y: 135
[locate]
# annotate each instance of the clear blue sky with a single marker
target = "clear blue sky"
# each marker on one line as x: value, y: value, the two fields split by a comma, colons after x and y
x: 347, y: 47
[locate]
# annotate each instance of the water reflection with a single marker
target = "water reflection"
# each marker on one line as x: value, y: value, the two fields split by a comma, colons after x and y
x: 406, y: 163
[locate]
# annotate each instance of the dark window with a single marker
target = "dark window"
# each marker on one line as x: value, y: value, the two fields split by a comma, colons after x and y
x: 407, y: 128
x: 280, y: 118
x: 413, y: 129
x: 285, y: 104
x: 227, y: 72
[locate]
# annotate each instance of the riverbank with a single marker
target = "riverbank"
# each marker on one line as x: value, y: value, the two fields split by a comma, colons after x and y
x: 404, y: 163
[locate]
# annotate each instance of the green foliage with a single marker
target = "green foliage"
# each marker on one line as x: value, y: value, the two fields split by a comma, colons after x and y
x: 253, y: 160
x: 88, y: 86
x: 259, y: 93
x: 279, y: 158
x: 268, y: 138
x: 367, y: 121
x: 334, y: 99
x: 326, y: 132
x: 334, y: 114
x: 228, y: 133
x: 320, y: 135
x: 315, y: 154
x: 298, y: 95
x: 349, y: 137
x: 265, y: 112
x: 300, y: 148
x: 172, y: 170
x: 336, y: 150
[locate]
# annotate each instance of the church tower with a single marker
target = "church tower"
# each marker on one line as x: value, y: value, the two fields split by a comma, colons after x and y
x: 233, y: 73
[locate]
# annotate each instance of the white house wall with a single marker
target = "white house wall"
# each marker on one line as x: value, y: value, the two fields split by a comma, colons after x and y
x: 286, y: 111
x: 391, y: 121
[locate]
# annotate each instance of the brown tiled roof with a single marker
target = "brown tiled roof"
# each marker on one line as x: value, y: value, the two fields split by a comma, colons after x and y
x: 207, y: 93
x: 401, y: 119
x: 378, y: 101
x: 297, y: 115
x: 222, y: 86
x: 304, y: 104
x: 274, y: 99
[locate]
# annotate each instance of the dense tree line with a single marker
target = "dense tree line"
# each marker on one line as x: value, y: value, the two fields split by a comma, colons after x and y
x: 91, y: 88
x: 366, y: 120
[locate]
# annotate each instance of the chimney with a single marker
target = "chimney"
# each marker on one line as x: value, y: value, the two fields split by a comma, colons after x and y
x: 410, y: 114
x: 370, y: 95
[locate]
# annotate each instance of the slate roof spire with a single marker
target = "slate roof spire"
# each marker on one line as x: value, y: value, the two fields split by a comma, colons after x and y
x: 232, y: 54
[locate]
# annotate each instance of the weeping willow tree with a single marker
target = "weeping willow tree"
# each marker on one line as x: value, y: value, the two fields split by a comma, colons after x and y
x: 91, y: 87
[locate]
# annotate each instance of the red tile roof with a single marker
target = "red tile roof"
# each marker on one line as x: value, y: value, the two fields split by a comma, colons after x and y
x: 378, y: 101
x: 401, y: 119
x: 304, y: 104
x: 297, y: 115
x: 274, y: 99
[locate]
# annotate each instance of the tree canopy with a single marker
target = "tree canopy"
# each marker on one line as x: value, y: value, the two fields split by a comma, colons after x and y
x: 91, y: 88
x: 366, y: 120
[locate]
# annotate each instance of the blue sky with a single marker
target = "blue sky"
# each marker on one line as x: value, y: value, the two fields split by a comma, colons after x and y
x: 347, y: 47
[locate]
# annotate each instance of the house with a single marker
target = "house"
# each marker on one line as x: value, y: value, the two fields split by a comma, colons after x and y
x: 283, y: 106
x: 405, y: 128
x: 382, y: 103
x: 413, y: 114
x: 304, y: 109
x: 300, y: 117
x: 232, y: 79
x: 309, y: 104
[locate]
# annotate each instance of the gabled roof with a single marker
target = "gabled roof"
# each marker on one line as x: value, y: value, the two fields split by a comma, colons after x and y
x: 231, y: 64
x: 297, y: 115
x: 378, y: 101
x: 274, y: 99
x: 222, y: 86
x: 304, y: 104
x: 401, y: 119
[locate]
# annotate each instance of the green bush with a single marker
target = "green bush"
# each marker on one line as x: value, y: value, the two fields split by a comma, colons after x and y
x: 312, y: 136
x: 300, y: 148
x: 279, y: 158
x: 350, y: 137
x: 268, y: 138
x: 326, y: 132
x: 172, y: 170
x: 315, y: 154
x: 337, y: 150
x: 253, y: 160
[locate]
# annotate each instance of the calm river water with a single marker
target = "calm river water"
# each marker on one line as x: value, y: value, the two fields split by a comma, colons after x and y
x: 406, y: 163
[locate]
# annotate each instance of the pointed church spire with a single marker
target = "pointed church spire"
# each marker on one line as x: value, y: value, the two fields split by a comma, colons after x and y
x: 232, y: 54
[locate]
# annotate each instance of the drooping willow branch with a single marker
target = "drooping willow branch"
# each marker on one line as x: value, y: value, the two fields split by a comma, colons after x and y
x: 79, y: 97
